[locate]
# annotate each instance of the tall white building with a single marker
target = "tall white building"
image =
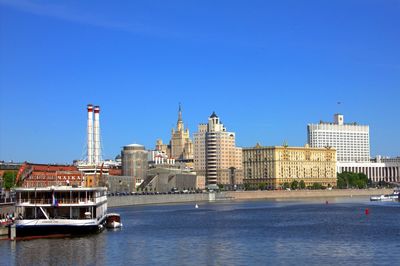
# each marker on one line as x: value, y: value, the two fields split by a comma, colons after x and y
x: 215, y: 154
x: 350, y: 139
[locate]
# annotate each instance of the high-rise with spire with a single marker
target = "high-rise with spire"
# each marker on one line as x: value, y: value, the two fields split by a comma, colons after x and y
x: 180, y: 146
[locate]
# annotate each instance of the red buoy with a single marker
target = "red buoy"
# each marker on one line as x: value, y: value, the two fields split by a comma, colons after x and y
x: 366, y: 211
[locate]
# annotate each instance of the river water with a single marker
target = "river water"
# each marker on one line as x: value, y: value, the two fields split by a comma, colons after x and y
x: 304, y: 232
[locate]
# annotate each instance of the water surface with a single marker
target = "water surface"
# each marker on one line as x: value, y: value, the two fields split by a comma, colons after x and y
x: 231, y: 233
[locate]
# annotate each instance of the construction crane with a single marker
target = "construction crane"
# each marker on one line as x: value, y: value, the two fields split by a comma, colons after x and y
x: 23, y: 172
x: 101, y: 181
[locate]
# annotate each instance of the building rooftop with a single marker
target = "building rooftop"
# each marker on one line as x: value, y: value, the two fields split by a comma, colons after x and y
x: 333, y: 123
x: 134, y: 145
x: 214, y: 115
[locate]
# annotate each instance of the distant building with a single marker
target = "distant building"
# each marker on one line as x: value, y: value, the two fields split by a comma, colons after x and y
x: 181, y: 144
x: 377, y: 170
x: 180, y: 147
x: 45, y: 175
x: 164, y: 179
x: 95, y: 175
x: 163, y: 148
x: 115, y: 170
x: 282, y: 164
x: 158, y: 157
x: 118, y: 183
x: 378, y: 159
x: 216, y: 156
x: 352, y: 142
x: 350, y: 139
x: 134, y: 162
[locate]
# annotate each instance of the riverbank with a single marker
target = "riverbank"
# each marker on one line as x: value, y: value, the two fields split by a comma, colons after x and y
x: 119, y: 201
x: 285, y: 194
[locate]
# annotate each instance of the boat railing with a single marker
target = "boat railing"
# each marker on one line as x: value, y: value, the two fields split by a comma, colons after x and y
x: 57, y: 201
x: 100, y: 199
x: 34, y: 201
x: 7, y: 200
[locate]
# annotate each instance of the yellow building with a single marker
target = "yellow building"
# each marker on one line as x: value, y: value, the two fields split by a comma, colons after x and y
x: 180, y: 147
x: 278, y: 165
x: 181, y: 144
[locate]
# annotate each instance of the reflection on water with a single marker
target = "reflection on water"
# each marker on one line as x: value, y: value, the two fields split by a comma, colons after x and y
x: 240, y: 233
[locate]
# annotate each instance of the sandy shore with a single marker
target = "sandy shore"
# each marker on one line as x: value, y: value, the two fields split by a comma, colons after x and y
x: 280, y: 194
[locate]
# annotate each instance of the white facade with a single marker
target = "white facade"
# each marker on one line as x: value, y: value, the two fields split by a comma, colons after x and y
x: 159, y: 157
x: 376, y: 171
x: 350, y: 140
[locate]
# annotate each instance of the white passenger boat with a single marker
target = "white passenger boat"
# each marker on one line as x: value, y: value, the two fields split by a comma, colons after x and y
x: 391, y: 197
x: 61, y: 210
x: 113, y: 220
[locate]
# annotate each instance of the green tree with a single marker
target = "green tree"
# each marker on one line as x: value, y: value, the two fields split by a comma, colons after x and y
x: 342, y: 181
x: 352, y: 180
x: 285, y: 185
x: 302, y: 185
x: 294, y: 185
x: 9, y: 179
x: 317, y: 186
x: 262, y: 185
x: 363, y: 180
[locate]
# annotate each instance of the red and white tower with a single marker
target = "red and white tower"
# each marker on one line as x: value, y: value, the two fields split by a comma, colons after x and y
x: 97, y: 146
x: 90, y: 134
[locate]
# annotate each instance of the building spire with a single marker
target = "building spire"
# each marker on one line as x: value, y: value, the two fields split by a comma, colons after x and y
x: 180, y: 113
x: 179, y: 124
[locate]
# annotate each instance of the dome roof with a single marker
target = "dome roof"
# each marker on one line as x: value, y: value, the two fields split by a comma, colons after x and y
x: 134, y: 145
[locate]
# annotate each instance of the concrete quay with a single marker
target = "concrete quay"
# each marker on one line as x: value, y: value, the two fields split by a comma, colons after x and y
x: 285, y: 194
x: 118, y: 201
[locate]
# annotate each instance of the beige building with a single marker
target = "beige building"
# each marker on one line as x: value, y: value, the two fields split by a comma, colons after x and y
x: 282, y: 164
x: 134, y: 162
x: 180, y: 147
x: 215, y: 154
x: 163, y: 178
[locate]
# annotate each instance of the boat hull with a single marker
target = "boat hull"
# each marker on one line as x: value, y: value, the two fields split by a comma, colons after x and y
x: 384, y: 198
x: 113, y: 225
x: 113, y: 220
x: 57, y: 229
x: 61, y: 230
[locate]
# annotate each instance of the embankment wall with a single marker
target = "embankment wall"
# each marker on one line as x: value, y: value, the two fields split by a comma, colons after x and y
x: 279, y: 194
x: 117, y: 201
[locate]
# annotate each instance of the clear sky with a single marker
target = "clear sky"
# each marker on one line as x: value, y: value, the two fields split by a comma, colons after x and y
x: 267, y: 68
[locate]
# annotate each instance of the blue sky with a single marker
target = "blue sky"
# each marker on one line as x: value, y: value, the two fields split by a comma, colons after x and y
x: 267, y: 68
